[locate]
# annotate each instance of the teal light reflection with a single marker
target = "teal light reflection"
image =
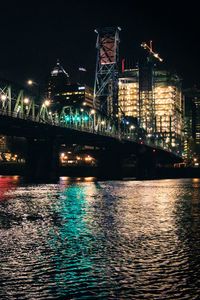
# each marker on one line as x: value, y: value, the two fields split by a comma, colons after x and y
x: 72, y: 242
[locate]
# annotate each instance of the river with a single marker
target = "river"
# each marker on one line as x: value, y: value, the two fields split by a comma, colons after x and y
x: 84, y: 239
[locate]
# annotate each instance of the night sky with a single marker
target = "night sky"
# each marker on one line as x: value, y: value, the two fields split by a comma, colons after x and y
x: 34, y: 34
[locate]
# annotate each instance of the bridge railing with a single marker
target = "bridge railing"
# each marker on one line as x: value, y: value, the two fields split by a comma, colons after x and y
x: 86, y: 127
x: 21, y: 107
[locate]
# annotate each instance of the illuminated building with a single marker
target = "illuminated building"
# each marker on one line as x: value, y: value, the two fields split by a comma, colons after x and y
x: 75, y: 95
x: 128, y: 93
x: 168, y: 109
x: 197, y: 123
x: 192, y: 122
x: 3, y: 145
x: 166, y: 113
x: 11, y: 149
x: 71, y: 158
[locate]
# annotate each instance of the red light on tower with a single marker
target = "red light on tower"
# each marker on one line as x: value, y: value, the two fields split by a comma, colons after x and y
x: 123, y: 65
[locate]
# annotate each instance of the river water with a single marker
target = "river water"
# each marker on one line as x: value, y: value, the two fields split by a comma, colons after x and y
x: 83, y: 239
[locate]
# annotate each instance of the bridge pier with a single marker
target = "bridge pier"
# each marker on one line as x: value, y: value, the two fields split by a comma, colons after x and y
x: 145, y: 164
x: 42, y: 160
x: 109, y: 165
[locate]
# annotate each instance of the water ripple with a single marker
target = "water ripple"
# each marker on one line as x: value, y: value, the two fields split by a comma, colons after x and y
x: 100, y: 240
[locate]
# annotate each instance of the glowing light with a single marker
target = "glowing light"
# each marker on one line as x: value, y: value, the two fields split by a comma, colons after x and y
x: 26, y: 100
x: 30, y: 82
x: 3, y: 97
x: 88, y: 158
x: 47, y: 102
x: 92, y: 111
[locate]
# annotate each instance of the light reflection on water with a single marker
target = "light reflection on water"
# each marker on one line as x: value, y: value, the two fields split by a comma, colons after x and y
x: 82, y: 239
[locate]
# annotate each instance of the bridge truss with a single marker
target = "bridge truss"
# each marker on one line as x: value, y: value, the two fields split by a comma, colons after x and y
x: 16, y: 103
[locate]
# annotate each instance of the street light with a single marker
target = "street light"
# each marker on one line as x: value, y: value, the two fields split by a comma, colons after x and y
x: 35, y: 87
x: 47, y: 102
x: 26, y: 100
x: 30, y: 82
x: 93, y: 114
x: 3, y: 97
x: 103, y: 125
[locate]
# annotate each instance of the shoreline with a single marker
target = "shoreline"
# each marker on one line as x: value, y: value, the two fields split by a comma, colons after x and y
x: 10, y: 169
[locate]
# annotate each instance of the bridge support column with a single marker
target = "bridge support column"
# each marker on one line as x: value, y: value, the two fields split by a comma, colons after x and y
x: 146, y: 164
x: 42, y: 161
x: 110, y: 165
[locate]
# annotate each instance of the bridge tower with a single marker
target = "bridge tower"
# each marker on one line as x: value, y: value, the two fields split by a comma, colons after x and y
x: 106, y: 77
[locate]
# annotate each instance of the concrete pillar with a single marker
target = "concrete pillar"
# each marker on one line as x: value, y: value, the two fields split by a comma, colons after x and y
x: 109, y: 165
x: 42, y: 160
x: 145, y: 164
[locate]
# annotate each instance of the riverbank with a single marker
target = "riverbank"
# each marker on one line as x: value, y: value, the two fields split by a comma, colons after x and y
x: 85, y: 171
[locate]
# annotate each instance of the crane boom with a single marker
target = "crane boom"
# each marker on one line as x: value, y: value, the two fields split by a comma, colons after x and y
x: 150, y: 49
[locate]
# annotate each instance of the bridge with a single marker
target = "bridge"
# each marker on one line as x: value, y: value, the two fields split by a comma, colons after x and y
x: 45, y: 130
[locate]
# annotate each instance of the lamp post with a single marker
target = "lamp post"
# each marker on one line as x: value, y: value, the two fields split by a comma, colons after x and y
x: 33, y: 84
x: 93, y: 119
x: 132, y: 127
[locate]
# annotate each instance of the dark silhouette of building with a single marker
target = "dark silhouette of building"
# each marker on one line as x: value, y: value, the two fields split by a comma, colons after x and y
x: 64, y: 93
x: 192, y: 122
x: 58, y: 81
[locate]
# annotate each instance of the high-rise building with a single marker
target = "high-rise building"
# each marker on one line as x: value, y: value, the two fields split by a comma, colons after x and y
x: 58, y: 81
x: 192, y: 122
x: 75, y: 95
x: 63, y: 93
x: 128, y: 93
x: 167, y: 109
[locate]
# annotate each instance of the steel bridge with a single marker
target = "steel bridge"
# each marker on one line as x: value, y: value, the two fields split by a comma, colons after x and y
x: 19, y: 105
x: 21, y: 116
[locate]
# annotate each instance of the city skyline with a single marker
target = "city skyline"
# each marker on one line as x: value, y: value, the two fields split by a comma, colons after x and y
x: 35, y: 35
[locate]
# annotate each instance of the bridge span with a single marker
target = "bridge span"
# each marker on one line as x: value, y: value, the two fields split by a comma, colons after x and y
x: 45, y: 130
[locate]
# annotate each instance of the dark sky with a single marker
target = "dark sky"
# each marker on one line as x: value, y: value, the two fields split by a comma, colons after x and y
x: 34, y: 34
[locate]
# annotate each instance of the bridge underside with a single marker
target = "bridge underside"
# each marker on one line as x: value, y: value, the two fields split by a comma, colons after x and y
x: 44, y: 140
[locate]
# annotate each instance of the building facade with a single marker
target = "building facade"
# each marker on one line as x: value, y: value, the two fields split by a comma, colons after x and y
x: 191, y: 124
x: 128, y: 94
x: 58, y: 80
x: 159, y: 108
x: 63, y: 93
x: 168, y: 101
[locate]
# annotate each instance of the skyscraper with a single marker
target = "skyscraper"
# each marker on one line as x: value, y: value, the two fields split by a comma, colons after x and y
x: 64, y: 93
x: 58, y: 81
x: 128, y: 95
x: 167, y: 108
x: 192, y: 121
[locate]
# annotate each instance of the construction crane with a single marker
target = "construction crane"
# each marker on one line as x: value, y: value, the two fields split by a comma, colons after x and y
x: 146, y: 89
x: 150, y: 49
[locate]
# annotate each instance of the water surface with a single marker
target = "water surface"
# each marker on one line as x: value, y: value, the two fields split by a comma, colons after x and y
x: 82, y: 239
